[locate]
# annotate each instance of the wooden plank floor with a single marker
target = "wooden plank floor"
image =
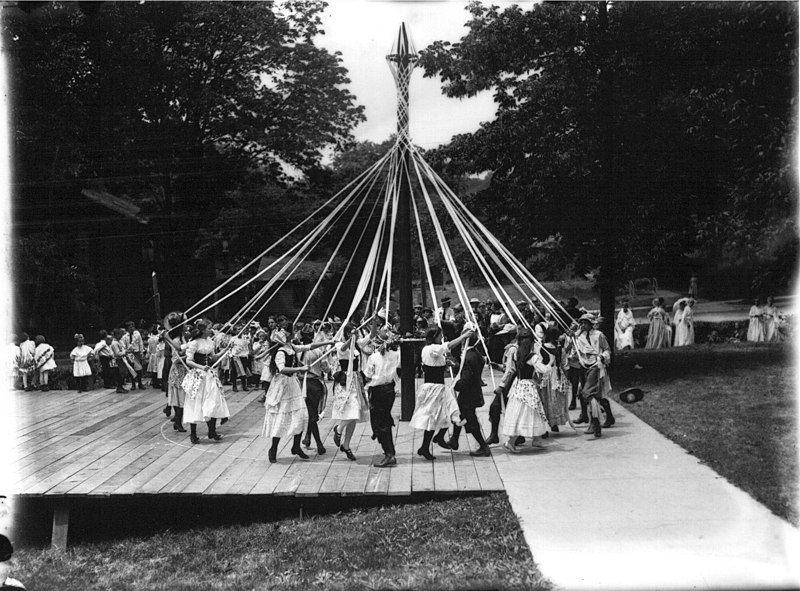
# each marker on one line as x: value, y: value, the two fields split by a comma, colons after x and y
x: 102, y: 443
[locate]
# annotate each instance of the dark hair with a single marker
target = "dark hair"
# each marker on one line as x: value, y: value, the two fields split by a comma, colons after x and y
x: 6, y: 549
x: 347, y: 329
x: 431, y: 334
x: 196, y: 332
x: 118, y: 332
x: 24, y: 336
x: 102, y: 334
x: 524, y: 344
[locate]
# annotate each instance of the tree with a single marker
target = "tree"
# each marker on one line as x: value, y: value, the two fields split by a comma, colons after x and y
x: 702, y: 113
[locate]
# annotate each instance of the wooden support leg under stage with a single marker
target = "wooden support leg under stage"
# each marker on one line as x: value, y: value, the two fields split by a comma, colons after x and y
x: 60, y: 527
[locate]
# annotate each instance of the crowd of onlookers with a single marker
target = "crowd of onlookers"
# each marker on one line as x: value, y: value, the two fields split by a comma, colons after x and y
x: 135, y: 356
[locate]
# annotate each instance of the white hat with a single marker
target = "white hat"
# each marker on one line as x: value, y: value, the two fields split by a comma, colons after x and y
x: 469, y: 327
x: 507, y: 329
x: 588, y: 317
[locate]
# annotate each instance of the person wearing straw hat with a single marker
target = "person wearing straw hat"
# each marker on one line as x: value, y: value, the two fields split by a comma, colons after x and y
x: 470, y: 394
x: 435, y: 407
x: 286, y: 410
x: 204, y: 402
x: 594, y: 355
x: 382, y: 369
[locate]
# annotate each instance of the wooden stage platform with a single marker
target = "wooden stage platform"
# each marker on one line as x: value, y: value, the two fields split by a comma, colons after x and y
x: 101, y: 444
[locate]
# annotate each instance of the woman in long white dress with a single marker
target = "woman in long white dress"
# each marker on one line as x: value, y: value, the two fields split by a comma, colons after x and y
x: 684, y: 324
x: 524, y: 415
x: 205, y: 402
x: 286, y: 412
x: 755, y: 331
x: 772, y: 321
x: 350, y: 404
x: 623, y: 328
x: 436, y: 406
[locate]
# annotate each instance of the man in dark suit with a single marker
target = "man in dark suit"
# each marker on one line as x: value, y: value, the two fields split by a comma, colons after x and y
x: 470, y: 394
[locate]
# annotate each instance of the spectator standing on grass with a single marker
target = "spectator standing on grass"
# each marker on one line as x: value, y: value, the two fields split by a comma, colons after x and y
x: 623, y: 327
x: 27, y: 366
x: 693, y: 289
x: 684, y: 324
x: 659, y: 335
x: 81, y: 370
x: 102, y: 352
x: 772, y: 320
x: 44, y: 358
x: 755, y: 332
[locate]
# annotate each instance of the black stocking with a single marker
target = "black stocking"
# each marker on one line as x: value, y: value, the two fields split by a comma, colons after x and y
x: 426, y: 440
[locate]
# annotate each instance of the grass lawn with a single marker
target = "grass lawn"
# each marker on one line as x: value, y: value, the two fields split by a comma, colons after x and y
x: 732, y: 405
x: 458, y: 543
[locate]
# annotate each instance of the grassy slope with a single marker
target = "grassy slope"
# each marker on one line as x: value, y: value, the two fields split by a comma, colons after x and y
x: 467, y: 543
x: 733, y: 406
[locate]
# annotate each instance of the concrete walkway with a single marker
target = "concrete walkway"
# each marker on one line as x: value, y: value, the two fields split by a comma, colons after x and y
x: 632, y: 510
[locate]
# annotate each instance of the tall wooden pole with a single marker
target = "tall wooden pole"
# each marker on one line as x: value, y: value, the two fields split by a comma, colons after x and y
x: 402, y: 60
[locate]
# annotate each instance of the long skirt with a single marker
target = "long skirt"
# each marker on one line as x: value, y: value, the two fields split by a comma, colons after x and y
x: 436, y: 407
x: 659, y: 335
x: 755, y: 331
x: 524, y: 414
x: 554, y: 402
x: 350, y: 404
x: 204, y: 399
x: 175, y: 394
x: 287, y: 413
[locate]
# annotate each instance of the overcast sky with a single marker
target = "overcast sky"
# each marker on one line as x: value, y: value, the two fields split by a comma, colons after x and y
x: 363, y: 31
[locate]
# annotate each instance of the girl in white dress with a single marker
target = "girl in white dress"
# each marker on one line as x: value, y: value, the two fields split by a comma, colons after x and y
x: 436, y: 406
x: 205, y: 402
x: 286, y: 414
x: 684, y: 324
x: 176, y: 345
x: 81, y: 369
x: 44, y: 361
x: 524, y: 414
x: 350, y: 405
x: 756, y: 332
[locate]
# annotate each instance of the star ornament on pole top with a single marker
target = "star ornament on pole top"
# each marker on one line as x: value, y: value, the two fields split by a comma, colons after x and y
x: 402, y: 59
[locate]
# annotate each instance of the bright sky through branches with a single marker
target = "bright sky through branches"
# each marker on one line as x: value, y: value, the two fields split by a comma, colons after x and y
x: 363, y: 32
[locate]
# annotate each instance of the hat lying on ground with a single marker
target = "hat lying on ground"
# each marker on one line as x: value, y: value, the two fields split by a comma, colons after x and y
x: 631, y: 395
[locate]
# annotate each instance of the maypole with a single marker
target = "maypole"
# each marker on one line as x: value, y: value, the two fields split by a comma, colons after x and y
x: 401, y: 62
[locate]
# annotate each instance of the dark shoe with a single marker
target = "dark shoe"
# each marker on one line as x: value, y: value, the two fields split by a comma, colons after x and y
x: 337, y: 437
x: 597, y: 430
x: 178, y: 427
x: 348, y: 452
x: 321, y: 450
x: 388, y: 460
x: 554, y: 428
x: 590, y: 430
x: 271, y: 455
x: 299, y: 453
x: 245, y: 389
x: 194, y: 439
x: 307, y: 442
x: 121, y: 391
x: 263, y: 399
x: 223, y: 421
x: 572, y: 405
x: 425, y: 454
x: 235, y: 389
x: 215, y: 436
x: 609, y: 422
x: 481, y: 452
x: 546, y: 435
x: 518, y: 441
x: 442, y: 443
x: 493, y: 438
x: 452, y: 444
x: 582, y: 419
